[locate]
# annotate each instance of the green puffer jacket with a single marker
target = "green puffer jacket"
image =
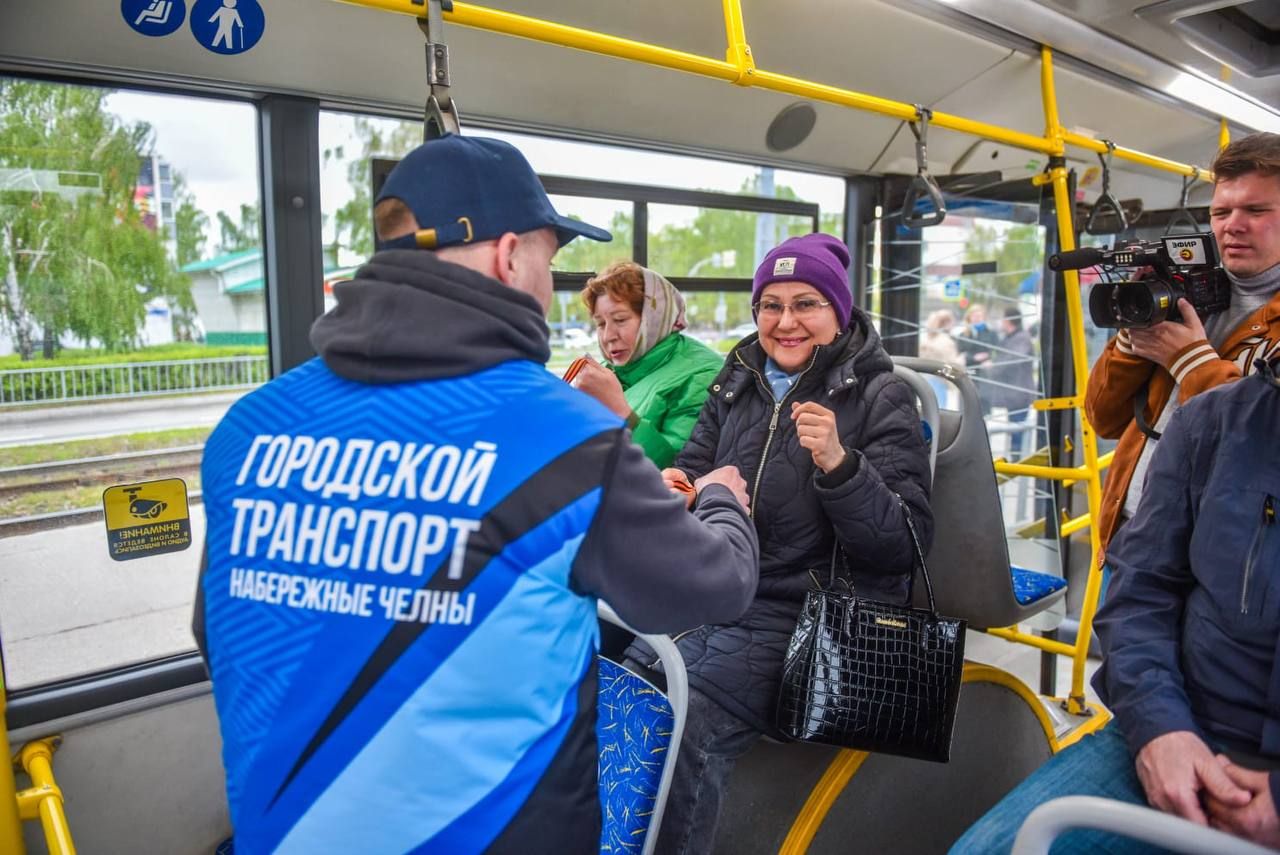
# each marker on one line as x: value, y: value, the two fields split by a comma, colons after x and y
x: 666, y: 388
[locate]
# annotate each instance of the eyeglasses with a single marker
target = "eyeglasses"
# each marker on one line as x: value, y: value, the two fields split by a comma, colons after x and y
x: 804, y: 308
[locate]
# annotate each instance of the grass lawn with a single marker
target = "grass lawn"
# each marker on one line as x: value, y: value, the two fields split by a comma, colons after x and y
x: 164, y: 352
x: 70, y: 498
x: 23, y: 455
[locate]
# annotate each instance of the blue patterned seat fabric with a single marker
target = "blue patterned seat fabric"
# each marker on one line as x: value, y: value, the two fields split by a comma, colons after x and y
x: 633, y: 729
x: 1031, y: 585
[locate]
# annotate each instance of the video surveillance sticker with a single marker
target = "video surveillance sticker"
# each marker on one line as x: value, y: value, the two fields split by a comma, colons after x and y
x: 148, y: 518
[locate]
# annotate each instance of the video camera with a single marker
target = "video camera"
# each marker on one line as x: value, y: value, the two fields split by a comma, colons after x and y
x: 1179, y: 266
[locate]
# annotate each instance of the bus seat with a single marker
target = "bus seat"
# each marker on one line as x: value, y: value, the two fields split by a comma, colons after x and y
x: 637, y: 730
x: 969, y: 560
x: 928, y: 409
x: 799, y: 797
x: 1136, y: 822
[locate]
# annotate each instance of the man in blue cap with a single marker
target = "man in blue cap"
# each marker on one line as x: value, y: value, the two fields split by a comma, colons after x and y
x: 407, y: 537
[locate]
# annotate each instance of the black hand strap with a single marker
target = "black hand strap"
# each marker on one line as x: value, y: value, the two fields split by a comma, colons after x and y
x: 1106, y: 200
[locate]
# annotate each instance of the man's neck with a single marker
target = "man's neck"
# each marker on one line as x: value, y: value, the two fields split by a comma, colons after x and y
x: 1261, y: 283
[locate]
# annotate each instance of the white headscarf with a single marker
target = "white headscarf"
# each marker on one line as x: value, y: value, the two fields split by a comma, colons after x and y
x: 661, y: 313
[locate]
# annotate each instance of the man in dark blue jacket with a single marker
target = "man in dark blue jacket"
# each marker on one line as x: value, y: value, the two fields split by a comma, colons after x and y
x: 1189, y: 635
x: 407, y: 537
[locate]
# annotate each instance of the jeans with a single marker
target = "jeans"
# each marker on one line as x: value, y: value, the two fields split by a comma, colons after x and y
x: 1097, y: 765
x: 713, y: 741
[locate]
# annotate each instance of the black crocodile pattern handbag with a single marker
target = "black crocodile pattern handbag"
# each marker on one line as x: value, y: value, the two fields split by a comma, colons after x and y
x: 873, y: 676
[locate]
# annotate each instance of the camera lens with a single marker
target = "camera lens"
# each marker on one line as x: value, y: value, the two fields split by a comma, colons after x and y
x: 1134, y: 305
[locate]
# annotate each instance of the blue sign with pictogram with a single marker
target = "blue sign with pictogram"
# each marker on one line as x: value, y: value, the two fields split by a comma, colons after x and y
x: 228, y: 26
x: 154, y: 17
x: 951, y: 289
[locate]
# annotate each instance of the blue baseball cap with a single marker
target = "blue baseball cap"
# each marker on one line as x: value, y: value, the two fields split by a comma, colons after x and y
x: 467, y: 189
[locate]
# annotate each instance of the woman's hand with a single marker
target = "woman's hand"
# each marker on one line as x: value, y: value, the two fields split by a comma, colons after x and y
x: 816, y: 427
x: 602, y: 384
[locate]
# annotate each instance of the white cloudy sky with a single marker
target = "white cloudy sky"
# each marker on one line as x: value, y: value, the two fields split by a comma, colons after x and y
x: 214, y: 145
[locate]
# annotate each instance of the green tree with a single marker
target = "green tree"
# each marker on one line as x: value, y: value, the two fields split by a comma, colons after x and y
x: 190, y: 224
x: 591, y: 256
x: 353, y: 222
x: 243, y: 234
x: 74, y: 253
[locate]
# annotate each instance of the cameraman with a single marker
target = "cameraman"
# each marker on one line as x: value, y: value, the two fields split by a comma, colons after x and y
x: 1177, y: 361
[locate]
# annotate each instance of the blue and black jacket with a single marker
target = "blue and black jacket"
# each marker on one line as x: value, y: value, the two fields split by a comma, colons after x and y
x: 406, y: 540
x: 1191, y: 624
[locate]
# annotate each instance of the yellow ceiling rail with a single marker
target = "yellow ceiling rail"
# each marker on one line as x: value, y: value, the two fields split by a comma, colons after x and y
x: 741, y: 70
x: 1081, y: 141
x: 511, y: 24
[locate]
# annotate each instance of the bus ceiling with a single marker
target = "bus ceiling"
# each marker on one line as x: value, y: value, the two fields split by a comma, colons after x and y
x: 346, y: 56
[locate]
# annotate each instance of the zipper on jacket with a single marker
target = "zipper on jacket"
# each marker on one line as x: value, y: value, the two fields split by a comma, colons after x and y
x: 773, y: 422
x: 1268, y: 520
x: 773, y: 427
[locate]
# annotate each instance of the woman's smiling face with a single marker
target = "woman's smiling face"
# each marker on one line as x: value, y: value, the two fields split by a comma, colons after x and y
x: 793, y: 318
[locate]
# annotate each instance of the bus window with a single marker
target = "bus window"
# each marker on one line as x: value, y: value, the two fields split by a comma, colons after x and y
x: 130, y: 248
x: 589, y: 256
x: 347, y: 143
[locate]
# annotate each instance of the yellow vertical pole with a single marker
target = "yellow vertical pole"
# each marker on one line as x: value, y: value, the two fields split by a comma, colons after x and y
x: 738, y: 52
x: 1065, y: 208
x: 10, y: 824
x: 46, y: 796
x: 1224, y: 133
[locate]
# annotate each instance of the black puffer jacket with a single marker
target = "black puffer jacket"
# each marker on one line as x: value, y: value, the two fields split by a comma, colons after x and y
x: 796, y: 508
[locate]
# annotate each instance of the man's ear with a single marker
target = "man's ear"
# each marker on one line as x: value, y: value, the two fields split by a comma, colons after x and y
x: 504, y: 259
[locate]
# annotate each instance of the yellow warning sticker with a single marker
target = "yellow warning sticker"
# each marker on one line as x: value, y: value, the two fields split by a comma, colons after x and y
x: 148, y: 518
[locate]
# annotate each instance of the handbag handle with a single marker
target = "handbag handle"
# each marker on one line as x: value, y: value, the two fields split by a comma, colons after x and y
x: 924, y: 571
x: 919, y: 561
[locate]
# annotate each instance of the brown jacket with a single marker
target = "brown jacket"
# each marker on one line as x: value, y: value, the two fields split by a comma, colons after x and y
x: 1118, y: 375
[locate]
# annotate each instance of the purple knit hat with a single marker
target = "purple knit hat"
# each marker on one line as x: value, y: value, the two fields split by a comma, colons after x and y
x: 818, y: 260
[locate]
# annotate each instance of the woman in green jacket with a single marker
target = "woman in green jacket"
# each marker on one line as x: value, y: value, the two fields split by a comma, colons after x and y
x: 655, y: 377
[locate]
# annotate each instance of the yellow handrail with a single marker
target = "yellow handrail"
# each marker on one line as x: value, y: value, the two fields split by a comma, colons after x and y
x: 547, y: 32
x: 739, y: 68
x: 43, y: 799
x: 10, y: 823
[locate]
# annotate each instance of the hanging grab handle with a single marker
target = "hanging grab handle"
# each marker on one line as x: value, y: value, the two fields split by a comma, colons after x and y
x: 1107, y: 201
x: 1183, y: 216
x: 923, y: 184
x: 440, y: 116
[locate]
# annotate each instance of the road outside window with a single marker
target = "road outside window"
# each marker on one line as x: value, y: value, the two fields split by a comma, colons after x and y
x: 132, y: 317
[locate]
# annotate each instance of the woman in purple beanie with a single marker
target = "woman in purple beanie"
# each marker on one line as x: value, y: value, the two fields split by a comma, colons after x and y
x: 809, y: 411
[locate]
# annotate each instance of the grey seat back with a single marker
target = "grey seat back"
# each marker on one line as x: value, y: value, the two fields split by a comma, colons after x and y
x: 928, y: 408
x: 969, y: 560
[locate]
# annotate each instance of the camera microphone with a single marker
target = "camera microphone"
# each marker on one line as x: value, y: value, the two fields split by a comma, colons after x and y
x: 1076, y: 259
